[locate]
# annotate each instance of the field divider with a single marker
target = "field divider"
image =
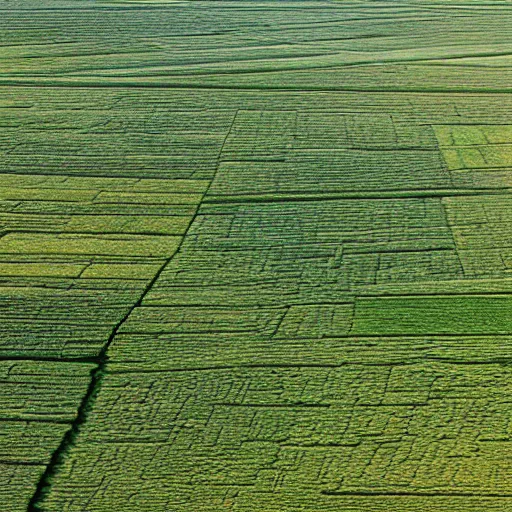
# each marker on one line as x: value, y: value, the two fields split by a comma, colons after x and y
x: 98, y: 373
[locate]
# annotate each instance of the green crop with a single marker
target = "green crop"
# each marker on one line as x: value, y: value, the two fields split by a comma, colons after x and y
x: 255, y: 256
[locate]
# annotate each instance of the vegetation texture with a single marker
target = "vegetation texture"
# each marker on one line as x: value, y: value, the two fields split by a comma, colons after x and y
x: 255, y: 256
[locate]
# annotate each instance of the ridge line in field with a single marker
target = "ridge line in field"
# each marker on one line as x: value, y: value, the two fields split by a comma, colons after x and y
x: 279, y: 197
x: 81, y: 84
x: 45, y: 482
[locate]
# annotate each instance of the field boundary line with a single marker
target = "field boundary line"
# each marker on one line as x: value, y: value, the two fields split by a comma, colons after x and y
x: 97, y: 374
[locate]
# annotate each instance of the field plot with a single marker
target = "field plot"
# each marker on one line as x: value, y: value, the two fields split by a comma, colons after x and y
x: 255, y: 256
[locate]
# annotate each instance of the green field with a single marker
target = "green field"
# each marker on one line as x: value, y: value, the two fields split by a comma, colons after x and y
x: 256, y: 256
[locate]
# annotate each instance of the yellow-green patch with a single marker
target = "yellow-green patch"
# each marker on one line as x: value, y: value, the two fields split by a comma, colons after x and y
x: 121, y: 271
x: 109, y: 245
x: 136, y: 224
x: 46, y: 194
x: 145, y: 198
x: 475, y: 147
x: 40, y: 269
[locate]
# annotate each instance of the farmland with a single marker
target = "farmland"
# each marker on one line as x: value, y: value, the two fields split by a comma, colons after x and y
x: 255, y: 256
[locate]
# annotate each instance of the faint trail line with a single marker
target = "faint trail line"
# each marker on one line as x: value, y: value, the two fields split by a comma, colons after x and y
x: 251, y: 87
x: 98, y: 373
x: 450, y: 227
x: 77, y: 360
x: 296, y: 196
x: 430, y: 494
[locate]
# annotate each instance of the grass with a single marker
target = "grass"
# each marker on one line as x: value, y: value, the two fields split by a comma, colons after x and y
x: 255, y: 256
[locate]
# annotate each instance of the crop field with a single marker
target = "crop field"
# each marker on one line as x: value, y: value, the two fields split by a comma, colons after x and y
x: 255, y: 256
